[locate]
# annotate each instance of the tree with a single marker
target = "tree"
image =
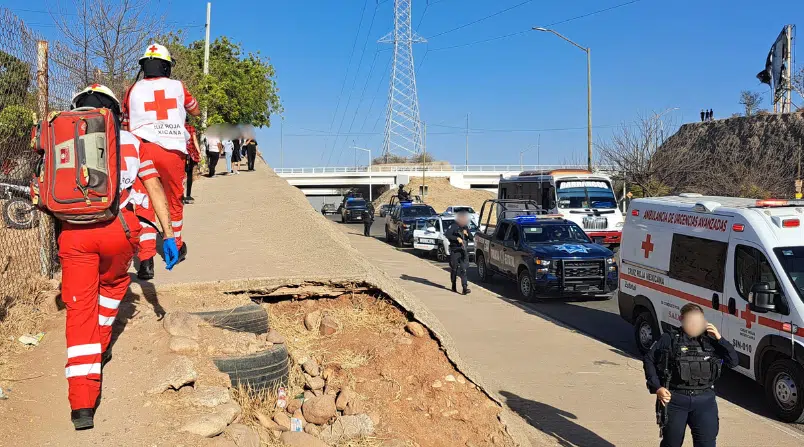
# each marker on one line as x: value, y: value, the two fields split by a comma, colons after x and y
x: 103, y: 40
x: 240, y: 88
x: 751, y: 101
x: 634, y: 151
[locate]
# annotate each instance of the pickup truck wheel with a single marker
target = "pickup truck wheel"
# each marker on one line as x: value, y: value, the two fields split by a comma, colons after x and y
x: 645, y: 331
x: 525, y: 285
x: 482, y: 269
x: 441, y: 254
x: 784, y: 390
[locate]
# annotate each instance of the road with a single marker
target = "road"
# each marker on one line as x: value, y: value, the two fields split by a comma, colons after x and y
x: 601, y: 320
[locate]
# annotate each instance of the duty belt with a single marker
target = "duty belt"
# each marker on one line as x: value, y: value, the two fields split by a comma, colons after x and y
x: 697, y: 392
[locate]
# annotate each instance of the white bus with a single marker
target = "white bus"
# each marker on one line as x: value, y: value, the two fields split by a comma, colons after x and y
x: 580, y: 196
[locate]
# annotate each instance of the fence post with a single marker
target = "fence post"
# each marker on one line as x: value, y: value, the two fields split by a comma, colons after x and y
x: 46, y: 229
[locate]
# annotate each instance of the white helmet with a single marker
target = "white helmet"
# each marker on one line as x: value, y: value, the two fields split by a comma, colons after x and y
x: 95, y: 89
x: 156, y: 51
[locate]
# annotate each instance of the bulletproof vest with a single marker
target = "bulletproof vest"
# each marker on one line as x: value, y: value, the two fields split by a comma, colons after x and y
x: 694, y: 365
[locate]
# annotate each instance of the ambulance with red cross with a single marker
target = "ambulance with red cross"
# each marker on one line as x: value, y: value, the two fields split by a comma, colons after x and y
x: 742, y: 261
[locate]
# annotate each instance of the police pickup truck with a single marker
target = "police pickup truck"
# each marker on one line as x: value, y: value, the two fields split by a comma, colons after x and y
x: 400, y: 222
x: 547, y: 255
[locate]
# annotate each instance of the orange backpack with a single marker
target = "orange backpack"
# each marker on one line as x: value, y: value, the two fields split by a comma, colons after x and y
x: 78, y: 177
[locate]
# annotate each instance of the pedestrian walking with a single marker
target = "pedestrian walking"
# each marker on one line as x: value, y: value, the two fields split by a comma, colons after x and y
x: 368, y: 219
x: 155, y: 110
x: 251, y: 152
x: 228, y: 148
x: 681, y: 369
x: 193, y: 157
x: 95, y: 257
x: 214, y: 147
x: 236, y: 155
x: 459, y: 235
x: 703, y: 115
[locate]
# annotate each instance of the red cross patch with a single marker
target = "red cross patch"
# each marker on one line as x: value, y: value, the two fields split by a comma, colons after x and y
x: 161, y: 105
x: 647, y: 246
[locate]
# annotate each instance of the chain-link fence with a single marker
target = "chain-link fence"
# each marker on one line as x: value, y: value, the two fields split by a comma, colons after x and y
x: 29, y: 89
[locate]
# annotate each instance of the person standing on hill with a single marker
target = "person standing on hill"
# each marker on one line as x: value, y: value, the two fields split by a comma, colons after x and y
x: 711, y: 115
x: 703, y: 115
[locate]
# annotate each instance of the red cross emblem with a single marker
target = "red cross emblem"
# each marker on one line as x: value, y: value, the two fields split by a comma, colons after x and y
x: 153, y: 49
x: 94, y: 86
x: 748, y: 316
x: 161, y: 105
x: 647, y: 246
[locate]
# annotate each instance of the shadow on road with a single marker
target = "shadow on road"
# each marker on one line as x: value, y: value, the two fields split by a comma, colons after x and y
x: 554, y: 422
x: 424, y: 281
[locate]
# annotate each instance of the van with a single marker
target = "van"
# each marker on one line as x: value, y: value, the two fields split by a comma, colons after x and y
x: 742, y: 261
x: 582, y: 197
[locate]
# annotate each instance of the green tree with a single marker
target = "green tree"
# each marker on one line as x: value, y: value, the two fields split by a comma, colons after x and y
x: 240, y: 88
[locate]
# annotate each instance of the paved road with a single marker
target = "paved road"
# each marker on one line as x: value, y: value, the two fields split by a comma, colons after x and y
x: 601, y: 320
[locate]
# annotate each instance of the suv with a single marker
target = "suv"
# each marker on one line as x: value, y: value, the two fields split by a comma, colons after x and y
x: 329, y: 208
x: 429, y: 237
x: 547, y: 255
x: 455, y: 209
x: 353, y: 210
x: 399, y: 223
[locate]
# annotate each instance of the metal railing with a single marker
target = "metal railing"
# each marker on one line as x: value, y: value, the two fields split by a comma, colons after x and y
x: 434, y: 168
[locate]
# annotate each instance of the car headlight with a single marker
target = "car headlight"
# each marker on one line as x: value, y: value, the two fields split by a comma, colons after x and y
x: 620, y: 224
x: 610, y: 261
x: 542, y: 262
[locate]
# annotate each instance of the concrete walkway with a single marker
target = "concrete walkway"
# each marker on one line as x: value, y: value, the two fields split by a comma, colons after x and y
x: 565, y: 384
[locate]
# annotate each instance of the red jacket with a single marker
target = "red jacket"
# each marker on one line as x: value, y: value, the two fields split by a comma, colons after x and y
x: 192, y: 150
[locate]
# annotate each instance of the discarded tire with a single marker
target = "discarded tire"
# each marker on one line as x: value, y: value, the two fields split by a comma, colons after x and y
x: 257, y: 372
x: 249, y: 318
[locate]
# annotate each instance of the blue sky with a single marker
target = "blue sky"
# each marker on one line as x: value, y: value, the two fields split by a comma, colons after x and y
x: 646, y: 57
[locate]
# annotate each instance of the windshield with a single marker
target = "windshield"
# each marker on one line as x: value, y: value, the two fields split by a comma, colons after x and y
x: 418, y: 211
x: 466, y: 209
x: 585, y: 194
x: 792, y: 260
x: 551, y: 234
x: 423, y: 224
x: 354, y: 203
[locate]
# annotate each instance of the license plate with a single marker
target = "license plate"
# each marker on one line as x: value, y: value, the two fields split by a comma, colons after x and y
x: 427, y: 241
x: 598, y: 240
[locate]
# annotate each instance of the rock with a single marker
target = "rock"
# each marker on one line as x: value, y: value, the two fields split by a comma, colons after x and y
x: 300, y: 439
x: 449, y: 413
x: 318, y: 393
x: 293, y: 405
x: 319, y: 410
x: 182, y: 324
x: 274, y: 337
x: 314, y: 383
x: 327, y: 373
x: 312, y: 320
x: 282, y: 420
x: 329, y: 389
x: 354, y: 407
x: 219, y: 441
x: 416, y: 329
x: 210, y: 350
x: 299, y: 357
x: 183, y: 345
x: 266, y: 422
x: 344, y: 397
x: 437, y: 384
x: 461, y: 380
x: 449, y: 378
x: 375, y: 417
x: 300, y: 416
x: 209, y: 396
x: 210, y: 425
x: 329, y: 326
x: 176, y: 374
x: 312, y: 429
x: 216, y: 378
x: 308, y: 395
x: 347, y: 427
x: 243, y: 436
x: 404, y: 340
x: 311, y: 367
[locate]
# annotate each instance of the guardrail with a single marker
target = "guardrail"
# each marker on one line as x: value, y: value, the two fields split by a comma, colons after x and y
x: 436, y: 168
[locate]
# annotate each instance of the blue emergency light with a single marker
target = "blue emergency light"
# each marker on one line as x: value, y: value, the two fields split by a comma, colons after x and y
x: 406, y: 204
x: 526, y: 219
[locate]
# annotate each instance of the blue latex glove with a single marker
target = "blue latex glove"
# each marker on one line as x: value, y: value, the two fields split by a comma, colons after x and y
x: 171, y: 252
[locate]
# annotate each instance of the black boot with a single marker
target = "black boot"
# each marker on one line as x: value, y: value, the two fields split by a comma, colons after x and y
x: 146, y: 270
x: 83, y: 419
x: 182, y: 252
x: 106, y: 357
x: 454, y: 288
x: 466, y: 291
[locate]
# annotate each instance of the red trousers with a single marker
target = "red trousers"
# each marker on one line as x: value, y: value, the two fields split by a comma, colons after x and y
x: 95, y: 260
x: 170, y: 165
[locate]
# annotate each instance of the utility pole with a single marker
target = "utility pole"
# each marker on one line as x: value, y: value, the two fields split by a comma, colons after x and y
x: 424, y: 155
x: 206, y: 60
x: 371, y: 199
x: 282, y: 143
x: 790, y: 71
x: 467, y: 142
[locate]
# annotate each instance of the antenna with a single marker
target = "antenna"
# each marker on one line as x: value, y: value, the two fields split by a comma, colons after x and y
x: 403, y: 127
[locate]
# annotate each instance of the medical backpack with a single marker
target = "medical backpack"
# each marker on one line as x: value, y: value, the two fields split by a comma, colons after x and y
x: 78, y: 176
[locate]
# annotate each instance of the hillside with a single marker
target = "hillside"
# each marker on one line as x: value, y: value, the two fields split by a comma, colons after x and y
x: 440, y: 194
x: 756, y: 156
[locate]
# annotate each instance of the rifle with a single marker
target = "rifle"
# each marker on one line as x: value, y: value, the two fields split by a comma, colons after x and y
x: 661, y: 409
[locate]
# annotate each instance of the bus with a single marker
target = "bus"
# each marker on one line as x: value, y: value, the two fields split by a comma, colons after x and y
x: 580, y: 196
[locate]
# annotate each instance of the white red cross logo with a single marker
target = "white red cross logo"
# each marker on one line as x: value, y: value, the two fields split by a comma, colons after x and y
x: 748, y: 316
x: 161, y: 105
x: 647, y: 246
x: 153, y: 49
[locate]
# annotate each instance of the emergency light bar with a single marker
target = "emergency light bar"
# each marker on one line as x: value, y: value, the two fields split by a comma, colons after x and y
x: 765, y: 203
x: 786, y: 221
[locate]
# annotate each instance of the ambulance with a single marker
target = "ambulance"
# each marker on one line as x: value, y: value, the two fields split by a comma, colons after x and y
x: 742, y: 261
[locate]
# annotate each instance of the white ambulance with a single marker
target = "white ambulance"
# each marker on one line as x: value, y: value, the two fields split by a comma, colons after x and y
x: 742, y: 261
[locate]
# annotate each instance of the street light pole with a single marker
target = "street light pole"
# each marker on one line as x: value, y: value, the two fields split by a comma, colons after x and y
x: 521, y: 153
x: 369, y: 167
x: 588, y: 52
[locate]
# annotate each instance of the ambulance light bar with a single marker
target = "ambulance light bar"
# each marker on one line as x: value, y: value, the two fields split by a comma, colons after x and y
x: 786, y: 221
x: 763, y: 203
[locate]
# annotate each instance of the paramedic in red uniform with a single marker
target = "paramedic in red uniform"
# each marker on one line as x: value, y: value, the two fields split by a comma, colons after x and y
x: 95, y: 259
x: 156, y: 109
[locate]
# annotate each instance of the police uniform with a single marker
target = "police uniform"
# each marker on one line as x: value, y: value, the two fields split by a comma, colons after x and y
x: 368, y: 219
x: 693, y: 364
x: 458, y: 257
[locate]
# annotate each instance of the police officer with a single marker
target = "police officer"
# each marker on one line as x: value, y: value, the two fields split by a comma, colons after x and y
x: 401, y: 194
x: 368, y: 219
x: 458, y: 235
x: 681, y: 369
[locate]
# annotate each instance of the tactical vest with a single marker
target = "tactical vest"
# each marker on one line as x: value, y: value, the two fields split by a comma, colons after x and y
x: 693, y: 365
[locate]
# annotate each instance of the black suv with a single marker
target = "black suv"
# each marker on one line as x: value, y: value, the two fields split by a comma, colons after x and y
x: 353, y: 210
x: 400, y: 221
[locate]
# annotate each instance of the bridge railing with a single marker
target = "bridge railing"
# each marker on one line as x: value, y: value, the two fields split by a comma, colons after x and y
x: 435, y: 168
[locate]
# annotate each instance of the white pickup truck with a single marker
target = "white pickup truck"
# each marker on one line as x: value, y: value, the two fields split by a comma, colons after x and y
x: 428, y: 236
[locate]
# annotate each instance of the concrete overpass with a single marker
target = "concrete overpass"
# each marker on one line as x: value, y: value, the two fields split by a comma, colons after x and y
x: 331, y: 181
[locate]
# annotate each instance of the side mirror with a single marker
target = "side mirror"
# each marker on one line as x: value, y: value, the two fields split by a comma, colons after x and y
x: 551, y: 204
x: 761, y: 298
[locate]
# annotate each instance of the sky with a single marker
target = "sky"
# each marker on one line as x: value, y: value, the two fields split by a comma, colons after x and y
x: 525, y: 92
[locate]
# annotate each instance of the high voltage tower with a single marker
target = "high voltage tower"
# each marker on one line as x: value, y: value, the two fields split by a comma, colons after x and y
x: 403, y: 128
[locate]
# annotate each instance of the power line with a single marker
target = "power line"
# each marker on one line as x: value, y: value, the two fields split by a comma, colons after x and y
x: 481, y: 19
x: 346, y: 75
x: 505, y: 36
x: 592, y: 13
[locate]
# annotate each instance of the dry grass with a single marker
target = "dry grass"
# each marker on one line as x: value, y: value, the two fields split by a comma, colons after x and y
x: 350, y: 360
